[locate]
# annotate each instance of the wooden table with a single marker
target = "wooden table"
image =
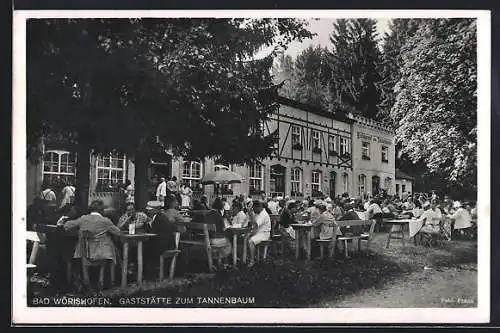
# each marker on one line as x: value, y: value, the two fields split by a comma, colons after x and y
x: 136, y: 238
x: 400, y: 223
x: 302, y: 229
x: 237, y: 231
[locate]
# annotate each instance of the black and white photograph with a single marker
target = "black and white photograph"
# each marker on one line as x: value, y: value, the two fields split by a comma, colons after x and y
x: 225, y: 167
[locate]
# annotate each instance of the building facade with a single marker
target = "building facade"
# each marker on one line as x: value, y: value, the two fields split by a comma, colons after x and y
x: 318, y: 153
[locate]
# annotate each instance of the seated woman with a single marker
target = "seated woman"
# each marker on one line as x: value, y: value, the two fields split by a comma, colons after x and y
x: 132, y: 216
x: 101, y: 246
x: 239, y: 216
x: 261, y: 228
x: 431, y: 218
x: 221, y: 244
x: 324, y: 225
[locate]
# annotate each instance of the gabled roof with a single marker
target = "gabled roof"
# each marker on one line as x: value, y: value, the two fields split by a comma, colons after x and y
x: 340, y: 116
x: 401, y: 175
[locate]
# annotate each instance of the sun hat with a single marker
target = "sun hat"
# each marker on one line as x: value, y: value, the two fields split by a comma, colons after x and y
x: 154, y: 205
x: 457, y: 204
x: 320, y: 203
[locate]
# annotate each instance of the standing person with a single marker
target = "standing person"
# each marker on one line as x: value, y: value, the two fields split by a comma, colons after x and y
x: 161, y: 190
x: 48, y: 194
x: 261, y: 228
x: 129, y: 192
x: 186, y: 194
x: 461, y: 217
x: 173, y: 188
x: 68, y: 195
x: 273, y: 205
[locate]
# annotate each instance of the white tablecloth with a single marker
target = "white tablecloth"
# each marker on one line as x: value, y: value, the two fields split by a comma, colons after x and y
x: 414, y: 227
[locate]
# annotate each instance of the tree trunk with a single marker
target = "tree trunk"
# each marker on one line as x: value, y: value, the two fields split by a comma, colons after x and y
x: 141, y: 179
x: 82, y: 176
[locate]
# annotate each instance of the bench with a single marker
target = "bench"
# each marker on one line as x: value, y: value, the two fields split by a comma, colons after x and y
x: 332, y: 242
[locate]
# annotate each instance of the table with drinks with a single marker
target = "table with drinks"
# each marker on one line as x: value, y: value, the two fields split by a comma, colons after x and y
x: 133, y: 236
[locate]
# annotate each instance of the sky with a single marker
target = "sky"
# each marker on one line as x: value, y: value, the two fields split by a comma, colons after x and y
x: 323, y: 28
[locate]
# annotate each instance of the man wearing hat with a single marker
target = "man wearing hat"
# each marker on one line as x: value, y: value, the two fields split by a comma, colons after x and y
x: 462, y: 217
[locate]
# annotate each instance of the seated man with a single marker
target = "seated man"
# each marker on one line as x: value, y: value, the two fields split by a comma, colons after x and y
x: 350, y: 214
x: 261, y: 223
x: 324, y: 225
x: 132, y: 216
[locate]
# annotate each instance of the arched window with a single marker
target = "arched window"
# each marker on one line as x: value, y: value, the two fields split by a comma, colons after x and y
x: 59, y: 165
x: 388, y: 184
x: 256, y: 178
x: 361, y: 185
x: 296, y: 182
x: 191, y: 173
x: 316, y: 182
x: 345, y: 183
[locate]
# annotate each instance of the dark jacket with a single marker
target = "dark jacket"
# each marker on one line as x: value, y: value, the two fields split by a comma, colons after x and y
x: 215, y: 217
x: 165, y: 229
x: 286, y: 218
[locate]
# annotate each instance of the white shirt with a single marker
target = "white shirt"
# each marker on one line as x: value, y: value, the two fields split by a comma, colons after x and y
x: 431, y: 216
x: 263, y: 222
x: 366, y: 205
x: 273, y: 206
x: 373, y: 209
x: 161, y: 189
x: 462, y: 218
x: 240, y: 219
x: 49, y: 195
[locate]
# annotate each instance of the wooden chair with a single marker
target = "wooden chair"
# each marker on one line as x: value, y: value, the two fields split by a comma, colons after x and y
x: 198, y: 235
x: 367, y: 236
x: 276, y: 236
x: 85, y: 238
x: 171, y: 254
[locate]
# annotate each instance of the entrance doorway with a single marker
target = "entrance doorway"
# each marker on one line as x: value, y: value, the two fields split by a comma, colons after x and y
x: 333, y: 183
x: 277, y: 180
x: 375, y: 185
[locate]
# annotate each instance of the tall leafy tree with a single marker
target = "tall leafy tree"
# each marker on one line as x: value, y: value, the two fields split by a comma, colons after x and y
x: 435, y: 108
x: 127, y: 84
x: 399, y: 32
x: 284, y: 73
x: 354, y: 60
x: 312, y: 74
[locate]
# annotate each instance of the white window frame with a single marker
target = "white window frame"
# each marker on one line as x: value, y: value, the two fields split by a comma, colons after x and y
x: 365, y: 150
x: 361, y: 185
x: 111, y: 168
x: 296, y: 132
x: 345, y: 183
x: 59, y: 154
x: 315, y: 139
x: 344, y: 146
x: 296, y: 181
x: 252, y: 172
x: 316, y: 185
x: 191, y: 178
x: 385, y: 151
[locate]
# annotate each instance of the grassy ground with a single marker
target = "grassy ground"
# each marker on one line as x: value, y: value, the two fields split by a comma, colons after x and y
x: 395, y: 277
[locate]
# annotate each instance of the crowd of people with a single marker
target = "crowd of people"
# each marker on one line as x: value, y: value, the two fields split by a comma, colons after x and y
x: 173, y: 204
